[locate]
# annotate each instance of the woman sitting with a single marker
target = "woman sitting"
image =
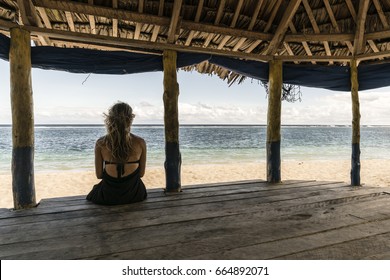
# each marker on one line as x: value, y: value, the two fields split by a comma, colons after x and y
x: 120, y: 159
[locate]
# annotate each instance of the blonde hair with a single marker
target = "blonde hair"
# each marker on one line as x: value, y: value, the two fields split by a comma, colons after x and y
x: 118, y: 123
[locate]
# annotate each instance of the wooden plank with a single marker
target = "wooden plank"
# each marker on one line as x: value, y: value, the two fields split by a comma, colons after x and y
x: 23, y: 186
x: 183, y: 199
x: 300, y: 224
x: 351, y: 250
x: 136, y: 219
x: 215, y: 232
x: 280, y: 248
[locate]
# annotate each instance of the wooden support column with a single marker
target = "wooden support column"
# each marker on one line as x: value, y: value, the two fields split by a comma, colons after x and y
x: 171, y: 121
x: 22, y: 120
x: 355, y: 162
x: 274, y: 121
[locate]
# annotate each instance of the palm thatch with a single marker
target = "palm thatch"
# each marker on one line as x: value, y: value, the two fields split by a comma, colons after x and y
x: 295, y: 31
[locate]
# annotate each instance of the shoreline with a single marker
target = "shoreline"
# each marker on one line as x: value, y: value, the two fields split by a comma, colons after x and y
x: 72, y: 182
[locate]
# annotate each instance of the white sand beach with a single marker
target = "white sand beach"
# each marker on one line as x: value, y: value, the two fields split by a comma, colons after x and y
x: 69, y: 183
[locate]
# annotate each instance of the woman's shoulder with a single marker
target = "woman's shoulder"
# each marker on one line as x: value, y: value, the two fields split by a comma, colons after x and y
x: 137, y: 139
x: 101, y: 141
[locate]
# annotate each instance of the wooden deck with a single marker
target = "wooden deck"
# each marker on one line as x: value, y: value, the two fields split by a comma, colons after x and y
x: 239, y: 220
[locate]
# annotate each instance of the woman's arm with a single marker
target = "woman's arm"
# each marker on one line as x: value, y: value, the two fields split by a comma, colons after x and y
x: 98, y: 160
x: 142, y: 164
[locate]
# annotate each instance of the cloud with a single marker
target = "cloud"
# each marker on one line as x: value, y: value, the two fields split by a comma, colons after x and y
x: 334, y: 108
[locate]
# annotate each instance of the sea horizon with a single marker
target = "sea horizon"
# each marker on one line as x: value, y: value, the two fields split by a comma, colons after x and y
x: 60, y: 147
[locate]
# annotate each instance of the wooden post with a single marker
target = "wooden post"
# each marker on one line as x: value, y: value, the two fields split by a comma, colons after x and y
x: 355, y: 161
x: 171, y: 121
x: 274, y: 121
x: 22, y: 120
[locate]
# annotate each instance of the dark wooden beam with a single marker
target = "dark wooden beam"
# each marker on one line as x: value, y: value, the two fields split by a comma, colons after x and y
x: 174, y: 21
x: 171, y: 123
x: 355, y: 160
x: 282, y: 27
x: 23, y: 186
x: 274, y: 121
x: 30, y: 16
x: 359, y: 41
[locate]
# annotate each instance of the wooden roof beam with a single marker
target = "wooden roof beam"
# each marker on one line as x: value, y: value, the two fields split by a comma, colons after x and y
x: 138, y: 25
x: 232, y: 24
x: 359, y: 41
x: 381, y: 14
x: 197, y: 18
x: 174, y: 20
x: 267, y: 27
x: 289, y: 50
x: 218, y: 17
x: 334, y: 23
x: 282, y: 27
x: 251, y: 24
x: 354, y: 16
x: 30, y: 16
x: 114, y: 20
x: 70, y: 21
x: 304, y: 43
x: 309, y: 12
x: 157, y: 27
x: 126, y: 44
x: 119, y: 14
x: 92, y: 19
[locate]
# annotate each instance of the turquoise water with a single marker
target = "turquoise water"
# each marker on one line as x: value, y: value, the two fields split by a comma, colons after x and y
x: 72, y: 147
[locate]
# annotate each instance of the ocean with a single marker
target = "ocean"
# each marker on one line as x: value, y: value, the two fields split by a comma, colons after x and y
x: 71, y: 147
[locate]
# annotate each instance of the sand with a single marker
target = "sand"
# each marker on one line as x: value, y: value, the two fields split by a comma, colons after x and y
x: 69, y: 183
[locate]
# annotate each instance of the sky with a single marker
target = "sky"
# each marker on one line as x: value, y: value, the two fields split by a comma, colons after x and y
x: 66, y: 98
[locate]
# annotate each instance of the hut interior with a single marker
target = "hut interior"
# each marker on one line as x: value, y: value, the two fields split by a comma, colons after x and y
x: 334, y: 44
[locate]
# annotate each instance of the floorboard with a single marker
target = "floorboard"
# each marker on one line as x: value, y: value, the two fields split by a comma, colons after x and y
x: 235, y: 220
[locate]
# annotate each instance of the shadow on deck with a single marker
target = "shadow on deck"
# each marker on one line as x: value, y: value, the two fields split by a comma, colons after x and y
x: 237, y: 220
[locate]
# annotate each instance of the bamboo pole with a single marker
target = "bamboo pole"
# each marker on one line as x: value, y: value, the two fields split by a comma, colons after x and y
x: 22, y: 120
x: 274, y: 121
x: 355, y: 160
x: 171, y: 122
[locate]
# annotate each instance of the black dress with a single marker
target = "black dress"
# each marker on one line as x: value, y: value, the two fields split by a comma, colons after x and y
x: 115, y: 191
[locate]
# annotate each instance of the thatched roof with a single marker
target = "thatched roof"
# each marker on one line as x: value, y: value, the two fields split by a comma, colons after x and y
x: 296, y: 31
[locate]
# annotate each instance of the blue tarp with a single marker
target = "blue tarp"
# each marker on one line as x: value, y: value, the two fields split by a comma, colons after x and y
x: 117, y: 62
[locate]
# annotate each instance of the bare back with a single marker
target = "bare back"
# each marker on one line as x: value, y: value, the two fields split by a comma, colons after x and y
x: 136, y: 160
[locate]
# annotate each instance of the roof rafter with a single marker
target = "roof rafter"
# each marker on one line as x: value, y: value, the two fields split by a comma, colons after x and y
x: 251, y: 24
x: 267, y: 27
x: 174, y: 20
x: 232, y: 24
x: 114, y: 20
x: 282, y: 28
x: 304, y: 43
x: 359, y: 41
x: 157, y: 27
x: 92, y: 18
x: 381, y: 13
x: 30, y: 16
x: 309, y: 12
x: 197, y: 18
x: 334, y: 23
x: 138, y: 24
x: 216, y: 21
